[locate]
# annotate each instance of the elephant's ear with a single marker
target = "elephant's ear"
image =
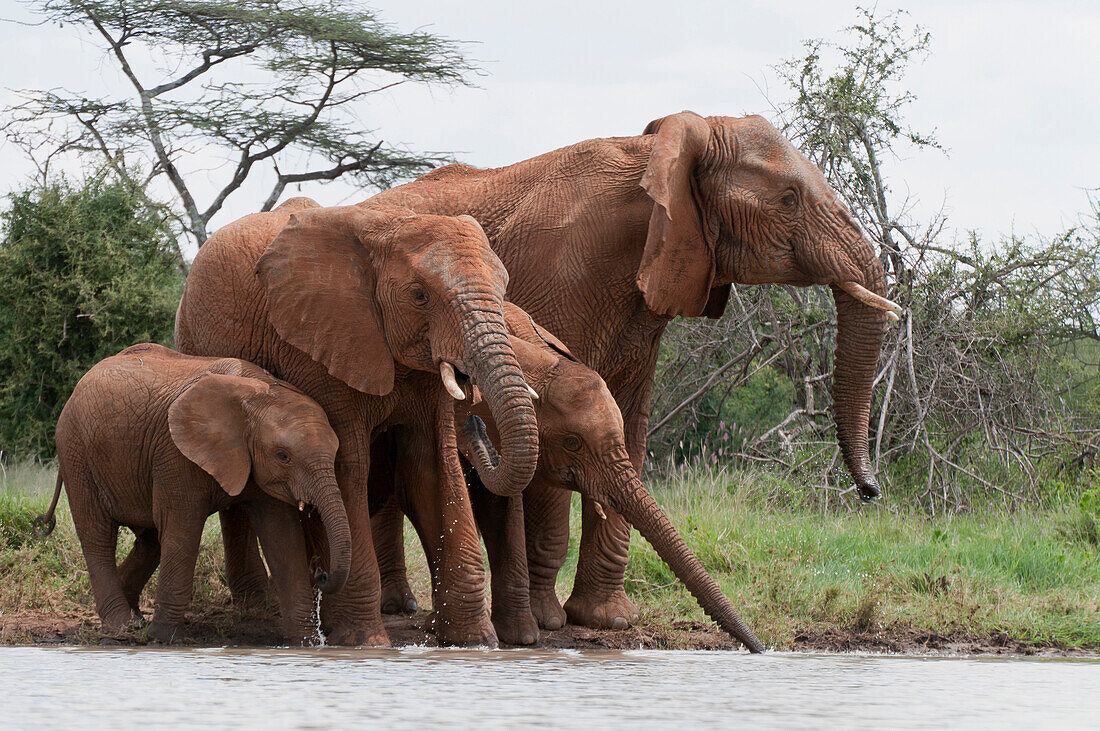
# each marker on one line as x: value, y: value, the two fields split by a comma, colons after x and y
x: 552, y: 341
x: 209, y: 425
x: 319, y: 277
x: 678, y: 263
x: 523, y: 326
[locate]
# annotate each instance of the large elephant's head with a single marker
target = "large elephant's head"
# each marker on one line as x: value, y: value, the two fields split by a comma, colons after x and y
x: 236, y: 427
x: 365, y: 289
x: 735, y: 202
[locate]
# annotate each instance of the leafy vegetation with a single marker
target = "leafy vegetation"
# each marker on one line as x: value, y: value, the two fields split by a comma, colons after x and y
x: 85, y: 270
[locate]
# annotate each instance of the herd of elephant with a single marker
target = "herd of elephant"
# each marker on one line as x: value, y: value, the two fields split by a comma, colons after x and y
x: 463, y: 350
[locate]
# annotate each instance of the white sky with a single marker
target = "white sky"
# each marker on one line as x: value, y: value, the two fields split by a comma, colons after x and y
x: 1011, y: 89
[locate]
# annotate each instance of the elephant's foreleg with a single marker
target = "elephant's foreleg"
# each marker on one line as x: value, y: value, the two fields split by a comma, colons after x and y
x: 139, y: 565
x: 546, y: 531
x: 500, y: 520
x: 461, y: 615
x: 599, y: 597
x: 180, y: 535
x: 244, y: 568
x: 353, y: 616
x: 280, y: 533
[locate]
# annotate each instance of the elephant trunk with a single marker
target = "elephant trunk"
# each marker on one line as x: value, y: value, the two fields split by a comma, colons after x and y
x: 498, y: 375
x: 629, y: 497
x: 330, y: 505
x: 860, y: 332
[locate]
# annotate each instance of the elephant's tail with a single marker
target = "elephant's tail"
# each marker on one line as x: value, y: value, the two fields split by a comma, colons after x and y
x: 45, y: 523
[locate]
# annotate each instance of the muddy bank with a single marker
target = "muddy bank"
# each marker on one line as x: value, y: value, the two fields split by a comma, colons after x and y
x: 219, y: 628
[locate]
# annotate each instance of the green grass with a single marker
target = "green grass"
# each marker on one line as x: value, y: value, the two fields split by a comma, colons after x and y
x: 1033, y: 576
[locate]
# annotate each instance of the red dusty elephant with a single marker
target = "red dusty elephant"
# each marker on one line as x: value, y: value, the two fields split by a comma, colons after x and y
x: 606, y: 240
x: 582, y: 448
x: 354, y: 306
x: 158, y: 441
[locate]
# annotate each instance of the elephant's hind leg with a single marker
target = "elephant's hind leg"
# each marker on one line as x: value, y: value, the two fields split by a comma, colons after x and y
x: 387, y: 529
x: 139, y: 566
x: 98, y: 534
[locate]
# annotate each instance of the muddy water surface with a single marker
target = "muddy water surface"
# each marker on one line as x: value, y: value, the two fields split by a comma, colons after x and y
x: 99, y: 687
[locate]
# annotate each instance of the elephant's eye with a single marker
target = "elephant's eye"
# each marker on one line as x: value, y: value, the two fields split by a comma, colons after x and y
x: 789, y: 199
x: 419, y: 297
x: 282, y: 456
x: 572, y: 444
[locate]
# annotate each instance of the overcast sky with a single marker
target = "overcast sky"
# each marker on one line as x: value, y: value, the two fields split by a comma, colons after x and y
x: 1010, y: 89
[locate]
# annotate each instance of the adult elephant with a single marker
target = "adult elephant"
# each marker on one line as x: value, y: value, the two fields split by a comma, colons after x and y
x: 607, y: 240
x: 347, y: 304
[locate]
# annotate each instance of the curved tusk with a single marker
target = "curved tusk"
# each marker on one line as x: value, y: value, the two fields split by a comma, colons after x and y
x: 892, y: 309
x: 447, y: 373
x: 301, y: 506
x: 531, y: 391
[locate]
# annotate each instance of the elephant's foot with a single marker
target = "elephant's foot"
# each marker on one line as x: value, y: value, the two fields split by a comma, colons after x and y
x: 516, y: 626
x: 352, y: 635
x: 466, y: 634
x: 122, y: 620
x: 397, y: 596
x: 164, y: 631
x: 546, y: 608
x: 251, y: 594
x: 605, y: 610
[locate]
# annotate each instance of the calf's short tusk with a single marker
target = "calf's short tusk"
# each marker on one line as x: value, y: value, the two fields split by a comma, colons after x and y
x: 892, y: 309
x: 599, y: 510
x: 301, y: 506
x: 531, y: 391
x: 447, y: 373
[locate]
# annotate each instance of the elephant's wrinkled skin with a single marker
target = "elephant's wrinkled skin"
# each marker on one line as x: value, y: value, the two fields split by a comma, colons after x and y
x: 350, y: 304
x: 606, y: 240
x: 158, y: 441
x: 582, y: 448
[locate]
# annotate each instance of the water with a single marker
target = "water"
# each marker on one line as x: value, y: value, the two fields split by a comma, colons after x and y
x: 326, y: 687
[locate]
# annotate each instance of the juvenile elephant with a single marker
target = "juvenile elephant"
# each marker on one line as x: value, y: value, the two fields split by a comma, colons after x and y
x: 356, y: 306
x: 606, y: 240
x: 582, y: 448
x: 158, y: 441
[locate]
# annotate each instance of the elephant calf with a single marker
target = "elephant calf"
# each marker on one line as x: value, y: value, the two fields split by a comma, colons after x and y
x: 583, y: 449
x: 158, y: 441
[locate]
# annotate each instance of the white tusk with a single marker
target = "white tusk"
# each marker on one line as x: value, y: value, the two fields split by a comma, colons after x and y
x: 447, y: 373
x: 869, y: 298
x: 301, y: 506
x: 599, y: 511
x: 531, y: 391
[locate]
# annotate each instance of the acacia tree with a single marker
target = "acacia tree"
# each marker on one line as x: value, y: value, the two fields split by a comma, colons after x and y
x: 258, y: 83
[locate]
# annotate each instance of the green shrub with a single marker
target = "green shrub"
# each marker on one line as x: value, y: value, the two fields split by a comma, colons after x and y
x: 84, y: 272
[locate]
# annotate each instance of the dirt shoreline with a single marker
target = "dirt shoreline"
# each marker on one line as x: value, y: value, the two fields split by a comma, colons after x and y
x: 228, y: 628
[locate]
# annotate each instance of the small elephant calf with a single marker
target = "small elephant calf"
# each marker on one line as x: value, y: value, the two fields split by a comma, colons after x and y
x: 158, y: 441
